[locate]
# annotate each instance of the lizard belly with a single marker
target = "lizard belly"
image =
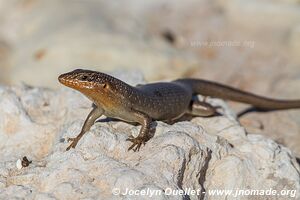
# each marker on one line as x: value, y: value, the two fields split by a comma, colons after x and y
x: 168, y: 111
x: 120, y: 114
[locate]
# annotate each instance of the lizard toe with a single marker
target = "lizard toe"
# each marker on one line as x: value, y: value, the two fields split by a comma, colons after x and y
x: 72, y: 145
x: 137, y: 143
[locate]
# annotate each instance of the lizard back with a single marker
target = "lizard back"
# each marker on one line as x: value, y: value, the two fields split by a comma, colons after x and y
x: 163, y: 100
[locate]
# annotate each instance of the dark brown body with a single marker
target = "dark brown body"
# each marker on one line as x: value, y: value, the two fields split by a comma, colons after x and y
x: 155, y: 101
x: 161, y: 101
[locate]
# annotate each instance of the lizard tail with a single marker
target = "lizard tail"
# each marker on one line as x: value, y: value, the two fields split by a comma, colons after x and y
x: 212, y: 89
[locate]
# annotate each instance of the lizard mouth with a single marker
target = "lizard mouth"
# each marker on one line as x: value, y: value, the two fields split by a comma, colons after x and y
x: 74, y: 83
x: 69, y: 82
x: 64, y: 80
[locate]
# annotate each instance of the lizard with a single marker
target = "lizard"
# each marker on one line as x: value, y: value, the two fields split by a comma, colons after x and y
x: 160, y: 101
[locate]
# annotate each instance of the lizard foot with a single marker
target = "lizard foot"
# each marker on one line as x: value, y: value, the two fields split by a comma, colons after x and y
x: 137, y: 143
x: 73, y: 144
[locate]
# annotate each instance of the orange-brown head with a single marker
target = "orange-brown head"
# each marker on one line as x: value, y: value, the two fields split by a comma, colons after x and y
x: 101, y: 88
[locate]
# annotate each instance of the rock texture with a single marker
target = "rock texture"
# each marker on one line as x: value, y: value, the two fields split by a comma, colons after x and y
x: 44, y: 37
x: 253, y: 45
x: 84, y: 35
x: 263, y: 15
x: 202, y: 154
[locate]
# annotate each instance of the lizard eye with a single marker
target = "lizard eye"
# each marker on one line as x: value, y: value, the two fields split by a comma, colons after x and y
x: 84, y: 77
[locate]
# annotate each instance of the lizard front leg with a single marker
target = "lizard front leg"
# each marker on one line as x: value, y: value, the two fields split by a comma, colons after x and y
x: 143, y: 136
x: 90, y: 120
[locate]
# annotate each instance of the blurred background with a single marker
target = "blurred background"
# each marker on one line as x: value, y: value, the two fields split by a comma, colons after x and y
x: 253, y: 45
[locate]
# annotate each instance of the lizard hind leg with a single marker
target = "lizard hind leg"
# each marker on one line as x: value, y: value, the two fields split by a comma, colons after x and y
x: 202, y: 109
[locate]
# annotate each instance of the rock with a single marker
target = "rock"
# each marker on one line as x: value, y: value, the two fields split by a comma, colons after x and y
x: 263, y: 15
x: 5, y: 61
x: 202, y: 154
x: 294, y: 43
x: 274, y: 124
x: 86, y: 35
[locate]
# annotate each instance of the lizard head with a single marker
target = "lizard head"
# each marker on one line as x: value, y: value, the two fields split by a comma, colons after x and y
x: 97, y: 86
x: 81, y: 80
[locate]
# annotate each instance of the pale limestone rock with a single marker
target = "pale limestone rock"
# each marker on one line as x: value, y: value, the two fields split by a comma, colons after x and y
x: 201, y: 154
x: 258, y: 15
x: 45, y: 36
x: 294, y: 42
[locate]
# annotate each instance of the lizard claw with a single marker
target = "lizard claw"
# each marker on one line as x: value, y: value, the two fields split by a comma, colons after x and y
x: 71, y: 139
x: 137, y: 143
x: 73, y: 144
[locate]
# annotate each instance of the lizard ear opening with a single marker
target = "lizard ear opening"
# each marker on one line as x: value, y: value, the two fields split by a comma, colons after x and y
x: 104, y: 85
